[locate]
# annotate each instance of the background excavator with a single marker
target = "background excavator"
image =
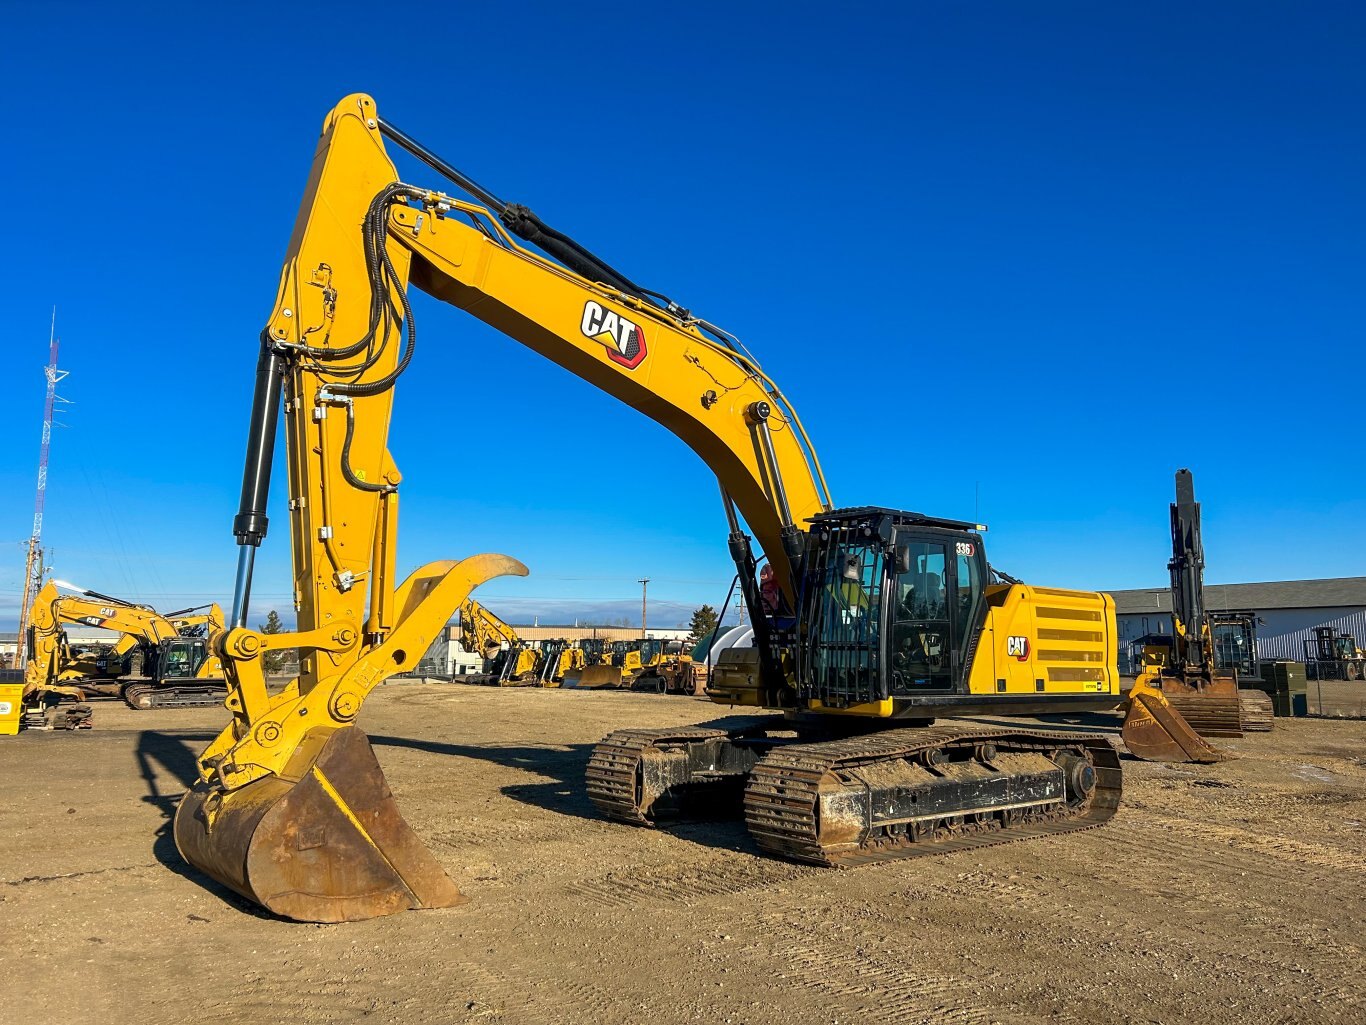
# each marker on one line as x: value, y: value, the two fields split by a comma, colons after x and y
x: 509, y: 661
x: 886, y: 619
x: 1182, y: 694
x: 159, y: 660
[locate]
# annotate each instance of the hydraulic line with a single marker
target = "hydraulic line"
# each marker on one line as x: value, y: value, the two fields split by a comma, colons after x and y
x: 523, y: 223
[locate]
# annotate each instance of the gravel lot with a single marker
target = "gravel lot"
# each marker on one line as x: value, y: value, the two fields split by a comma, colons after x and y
x: 1229, y: 893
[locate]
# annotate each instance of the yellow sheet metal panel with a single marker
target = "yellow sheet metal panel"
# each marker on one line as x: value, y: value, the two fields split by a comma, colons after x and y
x: 1046, y: 640
x: 11, y: 708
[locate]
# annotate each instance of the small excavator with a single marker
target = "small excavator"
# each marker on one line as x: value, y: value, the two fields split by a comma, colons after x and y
x: 885, y: 618
x: 1182, y: 694
x: 159, y: 661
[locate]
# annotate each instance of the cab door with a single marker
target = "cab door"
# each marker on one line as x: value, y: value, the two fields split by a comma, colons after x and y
x: 922, y: 647
x: 934, y: 609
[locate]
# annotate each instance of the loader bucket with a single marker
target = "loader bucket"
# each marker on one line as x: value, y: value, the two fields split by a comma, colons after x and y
x: 323, y: 842
x: 1154, y: 731
x: 598, y: 677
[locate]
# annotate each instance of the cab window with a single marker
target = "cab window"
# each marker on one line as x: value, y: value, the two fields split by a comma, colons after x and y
x: 921, y: 634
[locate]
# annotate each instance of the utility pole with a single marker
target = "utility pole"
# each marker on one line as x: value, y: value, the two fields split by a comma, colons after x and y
x: 644, y: 583
x: 33, y: 567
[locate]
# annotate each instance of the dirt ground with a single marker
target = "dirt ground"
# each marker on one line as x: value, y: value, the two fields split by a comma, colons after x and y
x: 1230, y: 893
x: 1336, y: 698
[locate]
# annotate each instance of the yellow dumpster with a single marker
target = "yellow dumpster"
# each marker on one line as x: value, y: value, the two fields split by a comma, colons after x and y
x: 11, y: 707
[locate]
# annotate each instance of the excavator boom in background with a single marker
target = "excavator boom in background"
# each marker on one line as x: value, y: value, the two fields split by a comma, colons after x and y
x: 1182, y: 694
x: 509, y: 661
x: 881, y: 619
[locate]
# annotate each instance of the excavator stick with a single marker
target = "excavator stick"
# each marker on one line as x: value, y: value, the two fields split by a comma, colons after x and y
x: 1155, y: 731
x: 323, y: 841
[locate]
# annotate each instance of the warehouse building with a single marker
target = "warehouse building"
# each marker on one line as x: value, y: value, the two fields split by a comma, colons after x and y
x: 1287, y: 611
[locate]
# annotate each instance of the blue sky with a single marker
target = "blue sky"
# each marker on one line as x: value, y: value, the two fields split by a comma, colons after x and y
x: 1044, y: 254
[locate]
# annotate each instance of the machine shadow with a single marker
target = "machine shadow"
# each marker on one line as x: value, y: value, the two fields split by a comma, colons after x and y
x: 159, y: 754
x: 565, y: 794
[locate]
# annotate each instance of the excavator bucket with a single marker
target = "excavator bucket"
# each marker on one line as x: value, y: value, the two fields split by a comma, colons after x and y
x: 316, y: 835
x: 1156, y: 732
x: 322, y: 842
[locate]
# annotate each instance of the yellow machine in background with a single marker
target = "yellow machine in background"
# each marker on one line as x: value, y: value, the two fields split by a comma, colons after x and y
x: 509, y: 661
x: 665, y: 668
x: 595, y: 670
x: 519, y: 666
x: 160, y: 660
x: 1182, y: 694
x: 482, y: 633
x: 886, y: 618
x: 559, y: 659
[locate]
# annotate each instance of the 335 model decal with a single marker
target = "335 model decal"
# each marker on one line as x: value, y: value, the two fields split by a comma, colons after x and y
x: 624, y: 338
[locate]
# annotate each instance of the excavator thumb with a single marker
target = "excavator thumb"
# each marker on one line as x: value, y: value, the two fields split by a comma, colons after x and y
x: 1154, y: 731
x: 323, y: 841
x: 304, y: 823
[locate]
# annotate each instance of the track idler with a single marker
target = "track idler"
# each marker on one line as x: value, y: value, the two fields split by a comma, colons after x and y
x: 324, y: 841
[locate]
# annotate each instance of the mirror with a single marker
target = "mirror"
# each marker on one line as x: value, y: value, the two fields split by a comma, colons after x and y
x: 903, y: 558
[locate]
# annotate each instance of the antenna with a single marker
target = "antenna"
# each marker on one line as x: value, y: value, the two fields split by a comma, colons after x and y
x: 33, y: 568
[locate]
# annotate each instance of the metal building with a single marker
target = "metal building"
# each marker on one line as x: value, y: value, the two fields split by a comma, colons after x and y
x: 1287, y: 612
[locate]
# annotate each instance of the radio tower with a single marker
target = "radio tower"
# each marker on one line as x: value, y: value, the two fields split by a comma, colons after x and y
x: 33, y: 569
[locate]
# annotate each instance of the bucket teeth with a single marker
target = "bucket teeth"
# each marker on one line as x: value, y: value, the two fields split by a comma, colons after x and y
x: 331, y: 846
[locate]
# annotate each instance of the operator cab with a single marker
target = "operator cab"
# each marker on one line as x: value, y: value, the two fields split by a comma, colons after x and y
x: 892, y: 604
x: 181, y: 657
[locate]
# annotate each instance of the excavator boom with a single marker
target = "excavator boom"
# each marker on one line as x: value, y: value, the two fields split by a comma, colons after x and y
x: 1173, y: 708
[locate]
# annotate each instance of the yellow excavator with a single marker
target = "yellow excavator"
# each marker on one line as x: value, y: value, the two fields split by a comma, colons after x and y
x: 509, y: 661
x: 1182, y: 694
x: 159, y: 661
x: 886, y: 619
